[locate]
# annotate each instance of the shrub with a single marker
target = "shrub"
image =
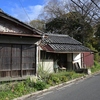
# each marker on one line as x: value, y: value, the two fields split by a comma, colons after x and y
x: 40, y: 85
x: 27, y: 83
x: 50, y: 82
x: 63, y: 78
x: 96, y: 64
x: 55, y: 80
x: 96, y: 67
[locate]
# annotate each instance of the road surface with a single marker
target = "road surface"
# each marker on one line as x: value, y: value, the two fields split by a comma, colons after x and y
x: 86, y: 89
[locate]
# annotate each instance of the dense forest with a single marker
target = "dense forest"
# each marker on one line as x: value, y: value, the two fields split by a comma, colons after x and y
x: 79, y: 19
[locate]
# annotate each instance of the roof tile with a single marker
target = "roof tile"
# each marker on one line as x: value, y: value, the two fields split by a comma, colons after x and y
x: 64, y: 43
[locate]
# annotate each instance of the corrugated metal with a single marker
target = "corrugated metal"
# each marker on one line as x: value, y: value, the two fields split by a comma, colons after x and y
x: 47, y: 48
x: 88, y: 59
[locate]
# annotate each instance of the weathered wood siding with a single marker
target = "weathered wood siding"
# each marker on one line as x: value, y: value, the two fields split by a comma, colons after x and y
x: 17, y: 60
x: 8, y: 26
x: 17, y: 49
x: 28, y: 59
x: 5, y: 62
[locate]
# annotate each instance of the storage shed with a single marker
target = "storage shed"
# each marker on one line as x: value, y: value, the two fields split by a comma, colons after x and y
x: 66, y: 50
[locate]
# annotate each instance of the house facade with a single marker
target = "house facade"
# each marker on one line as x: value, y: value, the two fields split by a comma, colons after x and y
x: 68, y: 52
x: 18, y: 48
x: 22, y: 50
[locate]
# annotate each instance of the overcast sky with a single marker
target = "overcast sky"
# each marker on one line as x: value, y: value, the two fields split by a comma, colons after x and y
x: 15, y: 9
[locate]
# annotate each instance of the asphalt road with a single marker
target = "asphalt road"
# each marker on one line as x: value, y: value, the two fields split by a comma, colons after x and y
x: 87, y: 89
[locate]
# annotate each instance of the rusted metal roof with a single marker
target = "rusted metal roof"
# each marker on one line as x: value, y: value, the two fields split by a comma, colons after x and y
x: 47, y: 48
x: 62, y: 43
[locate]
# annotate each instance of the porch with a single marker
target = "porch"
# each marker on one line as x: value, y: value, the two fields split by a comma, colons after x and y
x: 65, y: 61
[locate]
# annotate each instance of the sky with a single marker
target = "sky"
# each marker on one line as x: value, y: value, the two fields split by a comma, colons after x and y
x: 24, y: 10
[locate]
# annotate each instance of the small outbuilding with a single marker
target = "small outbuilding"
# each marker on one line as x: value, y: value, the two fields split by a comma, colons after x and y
x: 69, y: 53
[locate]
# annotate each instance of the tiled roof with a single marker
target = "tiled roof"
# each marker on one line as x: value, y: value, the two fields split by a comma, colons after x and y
x: 68, y: 48
x: 61, y: 39
x: 62, y: 43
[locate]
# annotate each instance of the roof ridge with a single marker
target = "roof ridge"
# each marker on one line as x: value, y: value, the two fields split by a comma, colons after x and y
x: 63, y: 43
x: 62, y: 35
x: 1, y: 10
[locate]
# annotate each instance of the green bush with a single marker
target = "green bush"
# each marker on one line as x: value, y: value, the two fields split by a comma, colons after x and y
x: 50, y: 82
x: 96, y: 64
x: 96, y: 67
x: 40, y: 85
x: 63, y: 78
x: 55, y: 80
x: 96, y: 57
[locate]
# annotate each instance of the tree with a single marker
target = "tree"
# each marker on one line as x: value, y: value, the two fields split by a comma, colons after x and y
x: 53, y: 9
x: 74, y: 17
x: 58, y: 8
x: 72, y: 24
x: 38, y: 24
x: 96, y: 39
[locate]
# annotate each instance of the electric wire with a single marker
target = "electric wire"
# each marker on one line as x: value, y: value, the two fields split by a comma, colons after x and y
x: 24, y: 10
x: 95, y: 4
x: 83, y: 9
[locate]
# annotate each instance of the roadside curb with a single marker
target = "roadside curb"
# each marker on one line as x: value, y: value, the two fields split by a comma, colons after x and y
x: 54, y: 87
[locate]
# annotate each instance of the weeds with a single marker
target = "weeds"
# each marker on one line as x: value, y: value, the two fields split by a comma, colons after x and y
x: 11, y: 90
x: 96, y: 67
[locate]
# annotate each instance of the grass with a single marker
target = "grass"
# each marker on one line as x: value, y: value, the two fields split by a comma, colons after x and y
x: 11, y: 90
x: 96, y: 67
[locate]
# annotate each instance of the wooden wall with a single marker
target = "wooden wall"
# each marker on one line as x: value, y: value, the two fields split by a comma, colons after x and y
x: 17, y: 60
x: 17, y: 53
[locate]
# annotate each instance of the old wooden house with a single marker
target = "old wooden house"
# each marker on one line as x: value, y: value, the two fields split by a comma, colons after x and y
x: 21, y: 50
x: 18, y: 48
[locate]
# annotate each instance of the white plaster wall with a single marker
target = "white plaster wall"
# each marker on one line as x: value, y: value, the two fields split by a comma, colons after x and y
x: 47, y: 65
x: 77, y: 58
x: 37, y: 54
x: 8, y: 27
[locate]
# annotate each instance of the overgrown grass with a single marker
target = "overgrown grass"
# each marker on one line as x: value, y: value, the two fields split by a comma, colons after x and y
x: 96, y: 67
x: 61, y: 77
x: 11, y: 90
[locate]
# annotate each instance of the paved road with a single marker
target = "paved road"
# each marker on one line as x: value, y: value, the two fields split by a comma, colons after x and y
x: 87, y: 89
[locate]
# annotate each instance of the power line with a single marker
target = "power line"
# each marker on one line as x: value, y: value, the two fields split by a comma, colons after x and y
x: 24, y: 10
x: 83, y: 9
x: 95, y: 4
x: 90, y: 10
